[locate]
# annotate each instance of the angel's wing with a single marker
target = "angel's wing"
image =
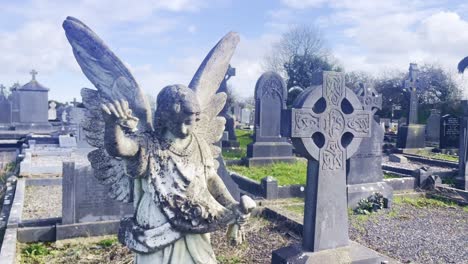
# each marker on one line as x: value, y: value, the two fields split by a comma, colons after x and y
x: 205, y: 83
x: 113, y: 81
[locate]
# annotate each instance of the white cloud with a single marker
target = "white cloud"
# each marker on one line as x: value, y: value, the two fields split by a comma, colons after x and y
x: 300, y: 4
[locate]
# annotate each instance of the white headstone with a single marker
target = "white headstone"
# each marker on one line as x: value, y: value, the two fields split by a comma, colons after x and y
x: 52, y: 111
x: 66, y: 141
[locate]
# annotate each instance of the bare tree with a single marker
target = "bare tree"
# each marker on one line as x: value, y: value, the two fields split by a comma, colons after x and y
x: 301, y: 40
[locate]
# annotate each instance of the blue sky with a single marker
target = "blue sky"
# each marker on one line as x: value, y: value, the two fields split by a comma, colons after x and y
x: 163, y: 42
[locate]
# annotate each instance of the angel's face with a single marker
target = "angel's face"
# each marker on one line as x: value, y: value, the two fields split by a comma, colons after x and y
x: 185, y: 124
x: 187, y: 113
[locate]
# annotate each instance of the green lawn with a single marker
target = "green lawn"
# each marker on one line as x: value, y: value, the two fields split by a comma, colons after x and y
x: 388, y: 175
x: 243, y: 136
x: 440, y: 156
x: 285, y: 173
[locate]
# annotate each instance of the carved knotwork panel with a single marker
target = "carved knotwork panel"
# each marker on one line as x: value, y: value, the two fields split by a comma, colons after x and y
x: 305, y: 123
x: 334, y: 124
x: 334, y: 88
x: 272, y: 88
x: 333, y: 157
x: 359, y: 124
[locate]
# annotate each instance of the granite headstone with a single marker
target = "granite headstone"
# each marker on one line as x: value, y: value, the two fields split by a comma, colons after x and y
x: 84, y: 199
x: 364, y: 171
x: 270, y: 100
x: 449, y: 132
x: 433, y: 126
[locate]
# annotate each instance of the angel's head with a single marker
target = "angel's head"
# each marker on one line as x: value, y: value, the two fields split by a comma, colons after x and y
x: 177, y: 110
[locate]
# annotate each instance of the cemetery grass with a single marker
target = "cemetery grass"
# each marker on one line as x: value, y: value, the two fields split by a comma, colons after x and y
x: 285, y: 173
x: 414, y: 230
x: 440, y: 156
x: 244, y: 138
x: 106, y: 249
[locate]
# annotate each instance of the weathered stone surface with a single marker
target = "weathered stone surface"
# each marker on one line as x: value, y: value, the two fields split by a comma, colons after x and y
x: 327, y: 126
x: 411, y: 136
x: 270, y: 100
x: 364, y: 171
x: 433, y: 126
x: 449, y: 132
x: 166, y: 166
x: 85, y: 200
x: 397, y: 158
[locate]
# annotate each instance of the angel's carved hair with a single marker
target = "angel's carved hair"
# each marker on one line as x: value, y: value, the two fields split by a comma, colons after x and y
x: 172, y: 100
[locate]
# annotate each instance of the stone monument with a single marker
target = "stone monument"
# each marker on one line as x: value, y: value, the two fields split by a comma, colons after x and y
x: 268, y: 145
x: 30, y: 106
x: 5, y: 107
x: 364, y: 172
x: 433, y: 126
x: 166, y: 166
x: 230, y: 126
x: 412, y: 135
x: 52, y: 111
x: 326, y: 126
x: 461, y: 181
x: 449, y: 132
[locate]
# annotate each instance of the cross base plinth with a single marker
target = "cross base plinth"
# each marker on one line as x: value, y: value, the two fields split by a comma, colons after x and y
x: 411, y: 136
x: 356, y: 192
x: 354, y: 253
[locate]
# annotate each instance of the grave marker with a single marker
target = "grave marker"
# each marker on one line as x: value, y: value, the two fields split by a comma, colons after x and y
x: 364, y: 175
x: 449, y: 132
x: 433, y: 126
x: 327, y: 126
x: 84, y: 199
x: 412, y: 135
x: 270, y: 100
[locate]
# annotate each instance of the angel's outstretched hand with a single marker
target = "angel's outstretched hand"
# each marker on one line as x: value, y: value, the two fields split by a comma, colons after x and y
x: 119, y: 112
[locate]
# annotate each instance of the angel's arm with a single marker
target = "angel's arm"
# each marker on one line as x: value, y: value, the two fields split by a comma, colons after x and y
x: 218, y: 189
x: 118, y: 118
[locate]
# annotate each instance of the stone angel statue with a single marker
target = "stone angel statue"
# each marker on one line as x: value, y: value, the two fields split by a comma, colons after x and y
x: 164, y: 164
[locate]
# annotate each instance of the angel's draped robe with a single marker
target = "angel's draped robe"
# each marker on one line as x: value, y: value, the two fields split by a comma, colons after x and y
x: 170, y: 172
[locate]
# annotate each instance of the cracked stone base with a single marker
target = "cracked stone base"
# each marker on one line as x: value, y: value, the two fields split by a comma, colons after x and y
x: 354, y: 253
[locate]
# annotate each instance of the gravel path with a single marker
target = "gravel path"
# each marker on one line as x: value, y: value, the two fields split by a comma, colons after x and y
x: 42, y: 202
x: 411, y: 234
x: 424, y: 235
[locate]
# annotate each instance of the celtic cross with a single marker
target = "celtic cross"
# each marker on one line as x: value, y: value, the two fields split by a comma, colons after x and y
x: 412, y: 84
x: 327, y: 126
x: 369, y: 98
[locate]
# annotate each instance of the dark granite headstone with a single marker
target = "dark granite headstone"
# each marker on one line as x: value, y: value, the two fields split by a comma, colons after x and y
x: 268, y: 145
x: 449, y: 132
x: 364, y: 172
x: 326, y: 127
x: 461, y: 181
x: 84, y: 199
x: 433, y: 126
x: 412, y: 135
